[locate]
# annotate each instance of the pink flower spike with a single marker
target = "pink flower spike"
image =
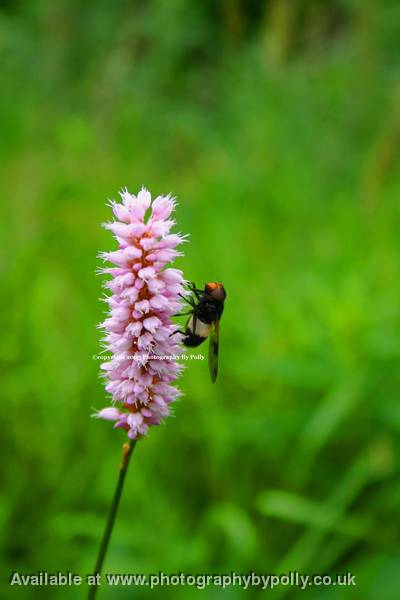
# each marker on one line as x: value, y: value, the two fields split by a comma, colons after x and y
x: 172, y: 276
x: 144, y: 295
x: 148, y: 272
x: 162, y: 207
x: 132, y: 253
x: 142, y: 307
x: 151, y: 324
x: 110, y: 414
x: 139, y: 207
x: 118, y: 229
x: 120, y: 212
x: 159, y: 302
x: 128, y: 200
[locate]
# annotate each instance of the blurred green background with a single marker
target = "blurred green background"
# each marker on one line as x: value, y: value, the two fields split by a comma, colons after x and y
x: 277, y: 126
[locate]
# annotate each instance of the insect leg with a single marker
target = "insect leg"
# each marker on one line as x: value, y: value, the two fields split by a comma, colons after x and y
x: 188, y: 300
x: 198, y: 293
x: 193, y: 288
x: 177, y: 331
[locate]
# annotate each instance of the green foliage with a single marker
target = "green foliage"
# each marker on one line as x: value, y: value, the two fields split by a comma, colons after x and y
x: 278, y: 129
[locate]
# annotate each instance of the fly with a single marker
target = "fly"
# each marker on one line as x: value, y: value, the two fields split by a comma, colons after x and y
x: 206, y: 310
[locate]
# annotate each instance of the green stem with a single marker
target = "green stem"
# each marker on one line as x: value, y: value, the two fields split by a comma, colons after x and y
x: 127, y: 450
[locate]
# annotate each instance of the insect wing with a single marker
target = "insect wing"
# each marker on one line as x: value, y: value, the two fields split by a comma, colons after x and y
x: 213, y: 351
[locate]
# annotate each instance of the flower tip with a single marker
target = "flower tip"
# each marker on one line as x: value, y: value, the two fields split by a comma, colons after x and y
x: 144, y: 196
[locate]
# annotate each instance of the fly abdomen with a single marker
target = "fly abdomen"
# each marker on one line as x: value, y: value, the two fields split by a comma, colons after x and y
x: 191, y: 340
x: 196, y: 332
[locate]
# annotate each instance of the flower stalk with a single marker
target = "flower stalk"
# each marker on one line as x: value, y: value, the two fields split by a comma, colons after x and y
x: 127, y: 450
